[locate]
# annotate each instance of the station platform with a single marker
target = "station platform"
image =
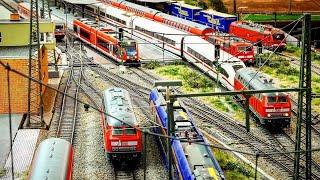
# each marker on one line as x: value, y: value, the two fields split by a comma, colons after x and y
x: 5, y: 134
x: 23, y: 149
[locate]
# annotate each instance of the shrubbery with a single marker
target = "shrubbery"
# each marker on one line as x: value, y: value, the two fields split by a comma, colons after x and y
x: 152, y: 65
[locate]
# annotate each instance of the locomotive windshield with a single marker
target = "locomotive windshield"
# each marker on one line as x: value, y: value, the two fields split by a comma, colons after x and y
x: 278, y: 36
x: 59, y: 26
x: 237, y: 67
x: 131, y: 50
x: 275, y: 99
x: 244, y: 48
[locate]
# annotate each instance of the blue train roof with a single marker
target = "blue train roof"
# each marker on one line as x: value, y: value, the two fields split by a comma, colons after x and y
x: 217, y: 13
x: 117, y: 103
x: 194, y: 160
x: 187, y: 6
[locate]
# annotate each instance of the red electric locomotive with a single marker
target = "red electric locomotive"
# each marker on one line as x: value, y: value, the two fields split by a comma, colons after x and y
x: 234, y: 46
x: 107, y: 41
x: 122, y: 140
x: 269, y: 36
x: 272, y: 109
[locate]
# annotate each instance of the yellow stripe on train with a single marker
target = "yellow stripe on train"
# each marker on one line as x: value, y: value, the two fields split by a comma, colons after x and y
x: 213, y: 173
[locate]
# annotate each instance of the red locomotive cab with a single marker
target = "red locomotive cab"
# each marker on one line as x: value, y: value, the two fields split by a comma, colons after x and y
x: 278, y: 39
x: 243, y: 51
x: 273, y: 109
x: 130, y: 52
x: 121, y: 140
x: 277, y: 105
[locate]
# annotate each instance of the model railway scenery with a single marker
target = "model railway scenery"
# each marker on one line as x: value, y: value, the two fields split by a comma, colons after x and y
x: 177, y: 90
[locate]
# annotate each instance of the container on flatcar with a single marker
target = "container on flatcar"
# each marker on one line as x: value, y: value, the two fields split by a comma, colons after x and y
x: 217, y: 20
x: 52, y: 160
x: 184, y: 11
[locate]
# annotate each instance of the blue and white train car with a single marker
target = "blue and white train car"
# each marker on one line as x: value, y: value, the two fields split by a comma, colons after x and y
x: 184, y: 11
x: 217, y: 20
x: 192, y: 158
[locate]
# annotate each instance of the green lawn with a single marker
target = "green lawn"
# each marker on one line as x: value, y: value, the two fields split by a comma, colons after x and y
x: 288, y: 76
x: 280, y: 17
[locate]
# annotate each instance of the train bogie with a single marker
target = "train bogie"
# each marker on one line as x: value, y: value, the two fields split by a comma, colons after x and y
x: 122, y: 136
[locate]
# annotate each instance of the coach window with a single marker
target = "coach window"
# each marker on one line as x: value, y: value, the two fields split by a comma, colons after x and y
x: 0, y: 37
x: 130, y: 131
x: 116, y: 130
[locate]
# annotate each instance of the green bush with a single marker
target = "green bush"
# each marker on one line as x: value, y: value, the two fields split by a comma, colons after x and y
x: 292, y: 49
x: 152, y: 65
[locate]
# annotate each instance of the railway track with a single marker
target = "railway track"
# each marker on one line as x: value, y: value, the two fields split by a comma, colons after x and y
x: 124, y: 172
x: 68, y: 109
x: 296, y: 62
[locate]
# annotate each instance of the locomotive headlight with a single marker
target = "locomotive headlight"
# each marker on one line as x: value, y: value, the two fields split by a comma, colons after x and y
x: 269, y: 115
x: 286, y: 114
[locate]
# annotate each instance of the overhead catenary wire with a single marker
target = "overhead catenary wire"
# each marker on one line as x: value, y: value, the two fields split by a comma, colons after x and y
x: 143, y: 129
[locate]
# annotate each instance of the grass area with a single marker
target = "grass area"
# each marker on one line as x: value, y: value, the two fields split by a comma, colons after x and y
x: 295, y: 51
x: 195, y: 82
x: 232, y: 167
x: 2, y: 172
x: 280, y: 17
x: 281, y: 69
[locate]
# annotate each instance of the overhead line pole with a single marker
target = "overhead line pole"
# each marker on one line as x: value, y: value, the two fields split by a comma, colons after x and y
x: 304, y: 101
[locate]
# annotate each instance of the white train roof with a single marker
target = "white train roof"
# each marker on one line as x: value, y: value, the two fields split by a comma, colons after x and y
x: 153, y: 26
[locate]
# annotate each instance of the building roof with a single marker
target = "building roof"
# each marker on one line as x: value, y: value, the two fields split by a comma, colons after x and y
x: 5, y: 13
x: 20, y: 52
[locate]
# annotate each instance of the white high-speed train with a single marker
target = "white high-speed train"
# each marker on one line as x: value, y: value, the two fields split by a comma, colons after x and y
x: 194, y: 49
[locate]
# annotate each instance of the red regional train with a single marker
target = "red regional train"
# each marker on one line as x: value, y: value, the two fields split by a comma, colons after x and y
x: 272, y: 109
x: 60, y: 27
x: 107, y: 41
x: 234, y: 46
x: 52, y: 160
x: 122, y: 140
x: 269, y: 36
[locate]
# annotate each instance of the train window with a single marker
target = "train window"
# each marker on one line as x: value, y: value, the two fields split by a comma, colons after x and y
x: 272, y: 99
x: 103, y: 43
x: 224, y: 72
x: 84, y: 34
x: 102, y: 13
x: 282, y: 99
x: 0, y: 37
x: 116, y: 130
x: 130, y: 131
